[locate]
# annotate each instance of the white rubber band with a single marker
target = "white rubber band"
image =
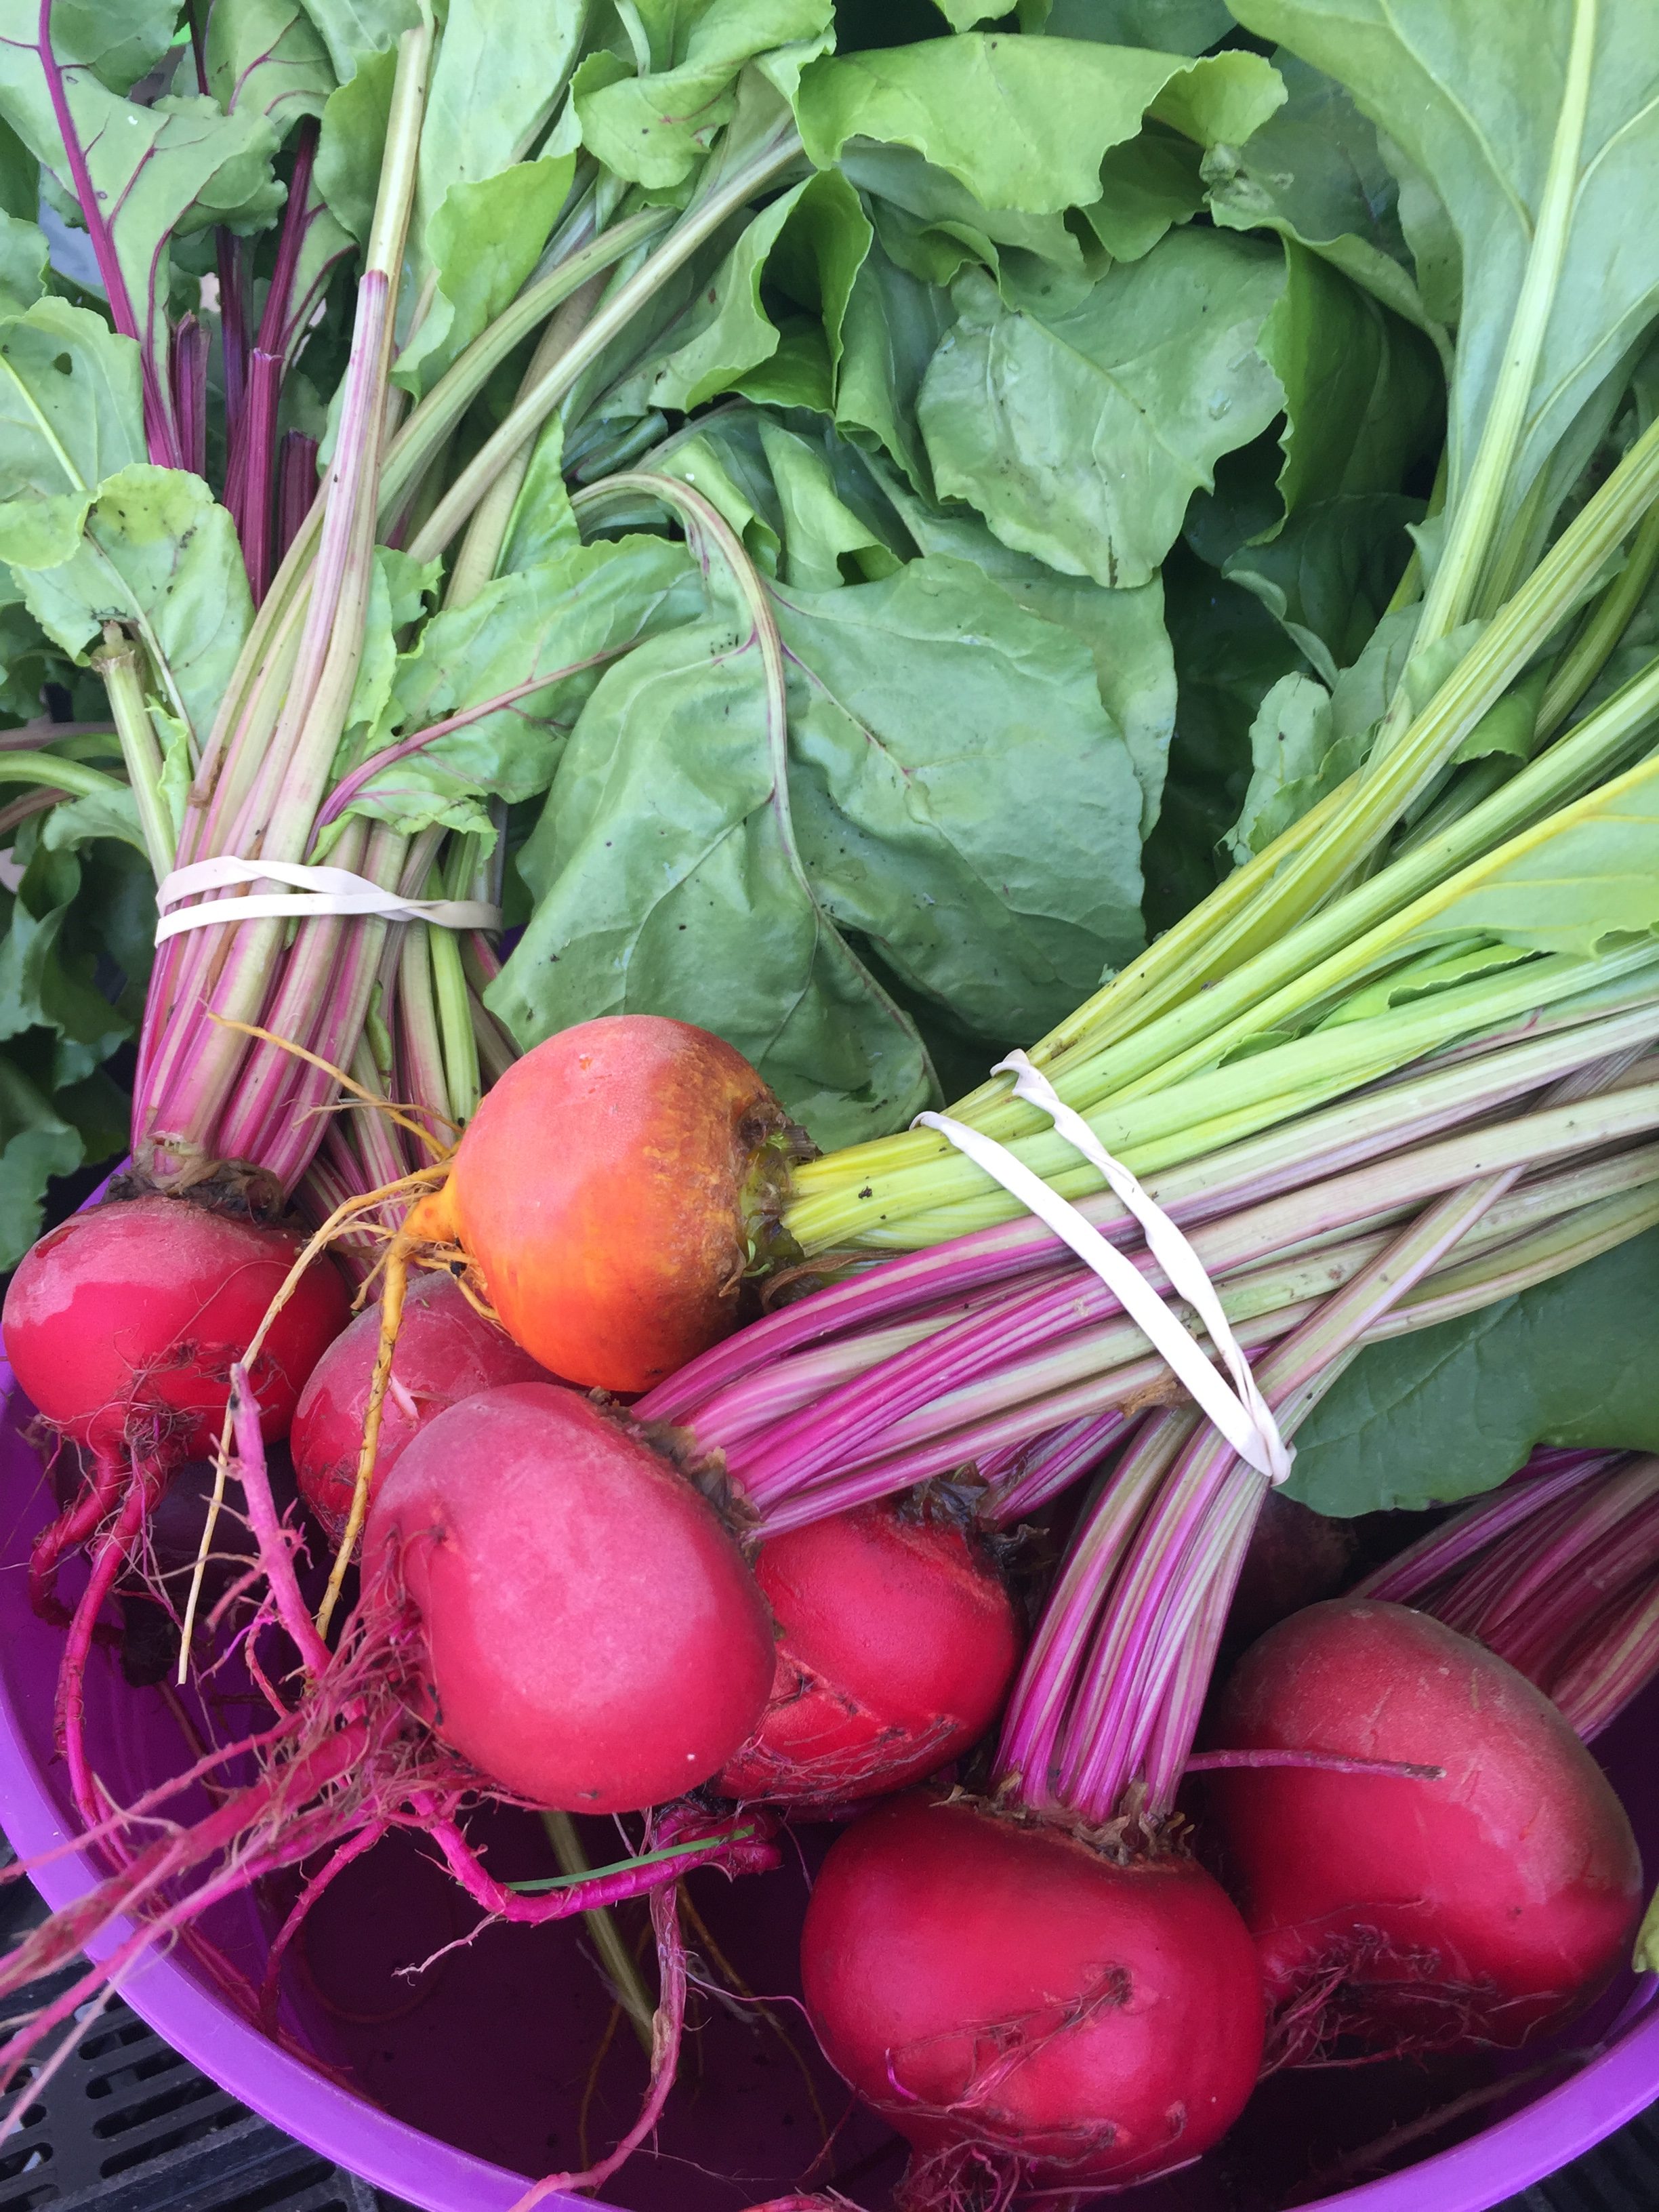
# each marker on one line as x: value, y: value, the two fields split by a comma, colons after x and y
x: 1239, y: 1412
x: 324, y: 892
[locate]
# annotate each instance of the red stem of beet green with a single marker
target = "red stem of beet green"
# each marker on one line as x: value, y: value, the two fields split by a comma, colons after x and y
x: 234, y: 339
x: 1558, y: 1573
x: 296, y: 486
x: 1547, y: 1476
x: 348, y: 785
x: 277, y: 821
x: 158, y: 423
x: 187, y: 368
x: 1113, y: 1685
x: 190, y: 1074
x: 250, y: 479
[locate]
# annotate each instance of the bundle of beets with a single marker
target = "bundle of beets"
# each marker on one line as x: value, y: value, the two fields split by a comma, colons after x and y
x: 675, y: 1470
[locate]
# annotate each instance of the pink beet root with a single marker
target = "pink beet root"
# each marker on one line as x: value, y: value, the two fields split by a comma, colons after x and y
x: 896, y: 1644
x: 1023, y: 2008
x: 593, y: 1640
x: 446, y: 1350
x: 123, y: 1324
x: 1399, y: 1915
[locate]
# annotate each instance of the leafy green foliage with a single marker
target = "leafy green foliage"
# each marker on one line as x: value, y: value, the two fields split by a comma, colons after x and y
x: 1315, y: 173
x: 75, y: 921
x: 1025, y: 123
x: 670, y: 870
x: 156, y: 551
x: 159, y: 171
x: 1473, y: 96
x: 1451, y: 1411
x: 1081, y: 436
x: 666, y: 873
x: 572, y: 612
x: 649, y: 118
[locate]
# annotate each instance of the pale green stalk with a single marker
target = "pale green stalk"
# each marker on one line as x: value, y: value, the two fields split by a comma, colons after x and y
x: 1260, y: 903
x: 1475, y: 509
x: 1609, y: 619
x: 117, y: 664
x: 904, y: 1204
x: 699, y: 223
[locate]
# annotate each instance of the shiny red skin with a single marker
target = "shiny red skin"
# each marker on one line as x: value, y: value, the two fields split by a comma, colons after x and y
x: 599, y: 1188
x: 1485, y: 1908
x: 999, y: 1986
x: 594, y: 1641
x: 896, y: 1644
x: 123, y: 1323
x: 446, y: 1350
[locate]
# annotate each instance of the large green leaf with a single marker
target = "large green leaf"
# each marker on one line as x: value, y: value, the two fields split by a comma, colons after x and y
x: 1451, y: 1411
x: 353, y: 30
x: 933, y: 226
x: 352, y: 141
x: 1081, y: 436
x: 588, y: 601
x: 1025, y: 123
x: 70, y: 413
x: 499, y: 73
x: 1146, y: 186
x: 1229, y: 653
x: 810, y: 241
x: 666, y: 881
x: 654, y: 127
x: 1473, y: 96
x: 1173, y: 27
x: 267, y: 56
x: 481, y: 243
x: 1123, y: 631
x: 158, y: 553
x: 36, y: 1143
x: 1363, y: 391
x: 22, y: 263
x: 961, y: 798
x: 1295, y: 759
x: 176, y: 165
x: 37, y: 988
x: 1313, y: 172
x: 1329, y: 573
x: 482, y: 209
x: 890, y: 332
x: 1579, y: 881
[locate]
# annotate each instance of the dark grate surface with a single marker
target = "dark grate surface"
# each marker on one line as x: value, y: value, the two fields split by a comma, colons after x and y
x: 1622, y: 2175
x: 126, y: 2125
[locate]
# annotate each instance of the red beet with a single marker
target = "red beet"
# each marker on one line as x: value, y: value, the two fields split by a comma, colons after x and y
x: 1022, y: 2006
x: 897, y: 1645
x: 1296, y: 1556
x: 1410, y: 1915
x: 446, y: 1350
x: 593, y: 1639
x: 123, y: 1324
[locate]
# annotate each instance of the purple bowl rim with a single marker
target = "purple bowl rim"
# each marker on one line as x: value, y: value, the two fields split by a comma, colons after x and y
x: 1475, y: 2176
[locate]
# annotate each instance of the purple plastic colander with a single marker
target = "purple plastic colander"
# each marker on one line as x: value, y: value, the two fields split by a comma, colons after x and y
x: 501, y: 2034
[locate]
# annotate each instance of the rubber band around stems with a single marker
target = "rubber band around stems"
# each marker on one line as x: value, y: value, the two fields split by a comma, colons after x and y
x: 1237, y: 1407
x: 316, y: 892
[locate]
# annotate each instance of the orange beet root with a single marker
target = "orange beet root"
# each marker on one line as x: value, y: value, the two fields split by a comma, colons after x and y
x: 611, y: 1190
